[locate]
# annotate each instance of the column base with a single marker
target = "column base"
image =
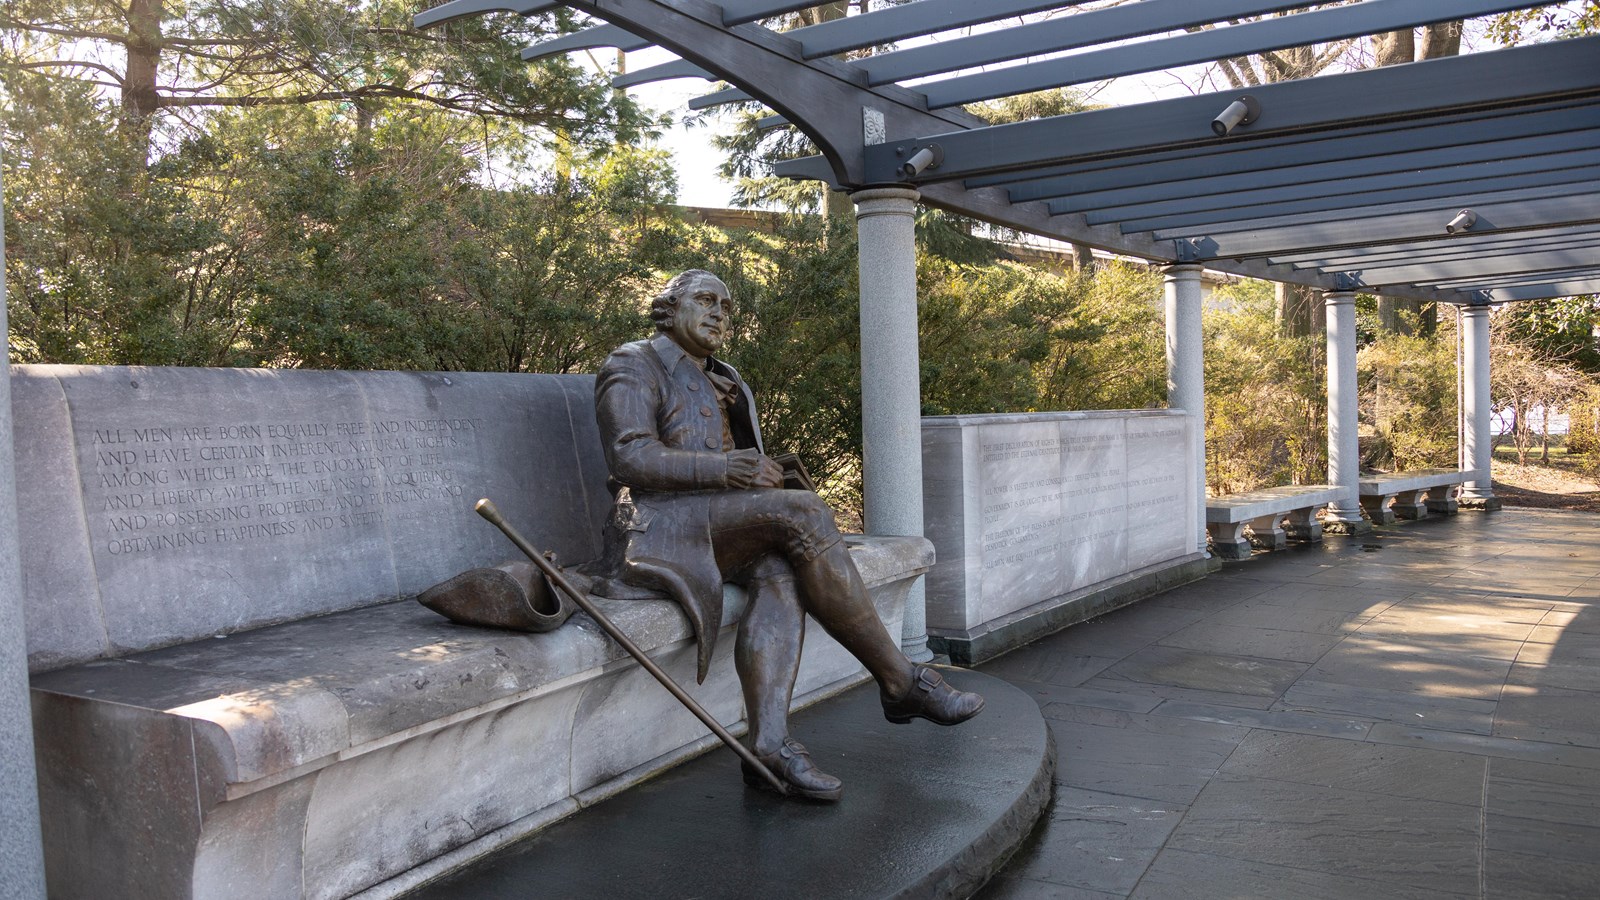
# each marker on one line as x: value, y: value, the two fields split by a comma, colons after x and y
x: 1483, y: 504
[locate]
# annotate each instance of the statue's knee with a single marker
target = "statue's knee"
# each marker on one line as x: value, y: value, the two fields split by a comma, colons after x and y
x: 811, y: 524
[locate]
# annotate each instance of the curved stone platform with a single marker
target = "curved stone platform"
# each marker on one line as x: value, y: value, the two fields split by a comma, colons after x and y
x: 927, y: 812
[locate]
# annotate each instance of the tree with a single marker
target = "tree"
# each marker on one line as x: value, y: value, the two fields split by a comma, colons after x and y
x: 166, y: 62
x: 1525, y: 377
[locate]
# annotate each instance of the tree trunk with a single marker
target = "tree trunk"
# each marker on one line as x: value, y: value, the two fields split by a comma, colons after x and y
x: 1394, y: 47
x: 139, y: 97
x: 1082, y: 259
x: 1440, y: 39
x: 1300, y: 310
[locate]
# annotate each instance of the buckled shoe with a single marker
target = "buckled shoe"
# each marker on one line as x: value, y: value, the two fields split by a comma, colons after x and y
x: 931, y: 698
x: 792, y: 764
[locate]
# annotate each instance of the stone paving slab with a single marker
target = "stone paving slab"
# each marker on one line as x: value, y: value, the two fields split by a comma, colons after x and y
x: 1412, y: 714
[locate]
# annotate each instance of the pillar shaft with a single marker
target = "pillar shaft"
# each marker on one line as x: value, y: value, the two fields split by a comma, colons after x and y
x: 1478, y: 491
x: 21, y: 854
x: 1186, y: 374
x: 891, y: 385
x: 1344, y: 451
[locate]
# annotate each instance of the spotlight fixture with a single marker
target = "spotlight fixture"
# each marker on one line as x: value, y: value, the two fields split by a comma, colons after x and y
x: 1463, y: 221
x: 1242, y: 111
x: 925, y: 158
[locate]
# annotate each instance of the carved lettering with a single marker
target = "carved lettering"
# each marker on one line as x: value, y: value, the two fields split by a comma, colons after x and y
x: 175, y: 487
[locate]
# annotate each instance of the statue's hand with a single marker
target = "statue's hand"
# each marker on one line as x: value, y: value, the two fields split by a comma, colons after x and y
x: 744, y: 467
x: 771, y: 474
x: 748, y: 468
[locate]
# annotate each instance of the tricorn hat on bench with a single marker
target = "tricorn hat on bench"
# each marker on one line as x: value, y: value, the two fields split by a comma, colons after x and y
x: 515, y: 596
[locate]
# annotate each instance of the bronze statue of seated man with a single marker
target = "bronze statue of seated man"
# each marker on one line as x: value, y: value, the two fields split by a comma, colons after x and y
x: 697, y: 503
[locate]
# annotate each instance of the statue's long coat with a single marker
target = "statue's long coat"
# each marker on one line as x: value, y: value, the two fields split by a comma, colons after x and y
x: 661, y: 426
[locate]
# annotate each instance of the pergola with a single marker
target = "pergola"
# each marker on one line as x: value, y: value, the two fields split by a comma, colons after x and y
x: 1471, y: 180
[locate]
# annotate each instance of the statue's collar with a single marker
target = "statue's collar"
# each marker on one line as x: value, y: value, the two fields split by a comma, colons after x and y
x: 671, y: 354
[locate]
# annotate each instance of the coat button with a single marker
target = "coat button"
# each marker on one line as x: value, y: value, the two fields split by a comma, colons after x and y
x: 694, y: 385
x: 713, y: 443
x: 705, y: 411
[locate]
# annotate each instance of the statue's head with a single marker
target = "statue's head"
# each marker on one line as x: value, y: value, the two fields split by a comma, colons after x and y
x: 693, y: 309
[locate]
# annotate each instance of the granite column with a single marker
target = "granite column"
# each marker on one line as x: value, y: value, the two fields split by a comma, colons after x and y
x: 21, y: 853
x: 891, y: 383
x: 1344, y: 451
x: 1186, y: 374
x: 1478, y: 491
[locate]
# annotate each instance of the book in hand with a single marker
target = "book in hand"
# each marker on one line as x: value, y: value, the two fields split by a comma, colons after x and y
x: 795, y: 476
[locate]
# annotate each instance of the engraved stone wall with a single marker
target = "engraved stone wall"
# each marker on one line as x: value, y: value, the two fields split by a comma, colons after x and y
x: 1026, y: 508
x: 164, y: 505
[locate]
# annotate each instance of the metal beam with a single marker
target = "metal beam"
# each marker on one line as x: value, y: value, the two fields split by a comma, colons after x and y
x: 1247, y: 153
x: 1574, y: 137
x: 678, y: 68
x: 1513, y: 279
x: 587, y: 39
x: 1507, y: 254
x: 719, y: 98
x: 1436, y: 272
x: 738, y: 12
x: 1436, y: 188
x: 1444, y: 209
x: 1084, y: 29
x: 896, y: 23
x: 1522, y: 75
x: 1444, y: 246
x: 460, y: 9
x: 1573, y: 288
x: 1276, y: 33
x: 1569, y: 209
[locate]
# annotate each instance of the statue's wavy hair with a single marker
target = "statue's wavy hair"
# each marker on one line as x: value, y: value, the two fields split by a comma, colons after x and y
x: 664, y: 308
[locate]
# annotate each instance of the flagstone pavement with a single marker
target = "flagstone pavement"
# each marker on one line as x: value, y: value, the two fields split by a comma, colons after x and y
x: 1415, y: 713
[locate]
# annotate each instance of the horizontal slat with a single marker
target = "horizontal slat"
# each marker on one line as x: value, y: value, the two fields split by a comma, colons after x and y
x: 1357, y: 20
x: 461, y: 9
x: 1084, y: 29
x: 1466, y: 244
x: 1572, y: 288
x: 1460, y: 144
x: 1573, y: 208
x: 587, y: 39
x: 1433, y: 273
x: 1542, y: 72
x: 896, y: 23
x: 1327, y: 196
x: 678, y: 68
x: 1444, y: 208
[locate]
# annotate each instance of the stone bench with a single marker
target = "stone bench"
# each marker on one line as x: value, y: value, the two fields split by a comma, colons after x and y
x: 1413, y: 494
x: 235, y: 696
x: 1274, y: 517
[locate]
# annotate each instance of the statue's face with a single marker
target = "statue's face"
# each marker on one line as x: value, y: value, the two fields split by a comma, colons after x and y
x: 701, y: 322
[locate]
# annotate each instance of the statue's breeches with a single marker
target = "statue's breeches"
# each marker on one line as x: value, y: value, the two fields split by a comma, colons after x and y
x: 749, y: 525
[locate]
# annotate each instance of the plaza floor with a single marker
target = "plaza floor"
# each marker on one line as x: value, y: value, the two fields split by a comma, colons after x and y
x: 1415, y: 713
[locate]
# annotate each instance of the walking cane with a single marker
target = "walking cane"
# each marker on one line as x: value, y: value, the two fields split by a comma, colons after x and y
x: 486, y: 509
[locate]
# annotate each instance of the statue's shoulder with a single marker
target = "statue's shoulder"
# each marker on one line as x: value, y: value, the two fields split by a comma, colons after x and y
x: 629, y: 355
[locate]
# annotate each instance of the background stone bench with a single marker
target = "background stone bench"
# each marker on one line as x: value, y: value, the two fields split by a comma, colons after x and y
x: 1414, y: 494
x: 1274, y: 516
x: 227, y: 700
